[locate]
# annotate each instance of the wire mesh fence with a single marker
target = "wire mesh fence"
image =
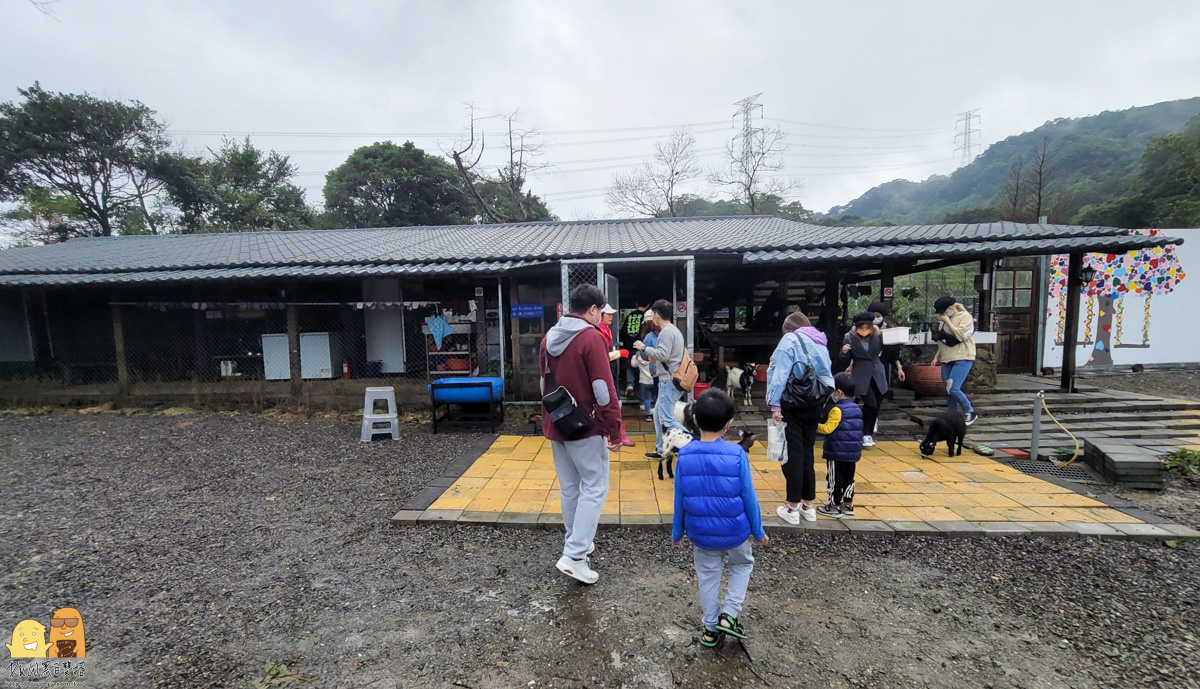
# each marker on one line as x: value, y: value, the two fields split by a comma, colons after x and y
x: 580, y: 274
x: 142, y: 343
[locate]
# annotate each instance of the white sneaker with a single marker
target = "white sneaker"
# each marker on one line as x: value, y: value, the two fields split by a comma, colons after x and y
x: 577, y: 569
x: 868, y: 441
x: 789, y: 515
x: 591, y: 548
x: 809, y: 513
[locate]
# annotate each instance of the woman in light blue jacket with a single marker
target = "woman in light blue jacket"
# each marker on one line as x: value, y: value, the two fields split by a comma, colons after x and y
x: 802, y: 346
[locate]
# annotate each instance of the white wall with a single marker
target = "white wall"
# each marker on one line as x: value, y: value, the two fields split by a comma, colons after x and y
x: 1174, y: 323
x: 384, y: 328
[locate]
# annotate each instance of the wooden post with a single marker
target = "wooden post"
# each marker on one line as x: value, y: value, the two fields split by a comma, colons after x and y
x: 293, y: 333
x: 119, y: 348
x: 887, y: 280
x: 1071, y: 334
x: 985, y: 295
x: 829, y: 312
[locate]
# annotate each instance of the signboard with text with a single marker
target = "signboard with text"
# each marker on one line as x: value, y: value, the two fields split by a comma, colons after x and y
x: 528, y: 310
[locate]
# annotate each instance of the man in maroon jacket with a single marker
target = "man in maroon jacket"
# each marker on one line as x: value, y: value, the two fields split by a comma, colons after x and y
x: 577, y: 358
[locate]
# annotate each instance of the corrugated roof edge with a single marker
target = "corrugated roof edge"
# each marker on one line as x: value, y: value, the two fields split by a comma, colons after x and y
x: 1008, y: 247
x: 1038, y: 232
x: 242, y: 273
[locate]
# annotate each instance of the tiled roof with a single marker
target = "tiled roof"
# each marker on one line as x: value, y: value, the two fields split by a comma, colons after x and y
x: 1007, y: 247
x: 211, y: 274
x: 496, y: 248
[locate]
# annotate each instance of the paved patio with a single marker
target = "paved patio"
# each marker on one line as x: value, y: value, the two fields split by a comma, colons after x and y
x: 513, y: 481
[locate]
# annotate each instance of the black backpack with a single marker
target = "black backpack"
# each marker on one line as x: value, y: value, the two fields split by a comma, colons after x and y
x: 806, y: 392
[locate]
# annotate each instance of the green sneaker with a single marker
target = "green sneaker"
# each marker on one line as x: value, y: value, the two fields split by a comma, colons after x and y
x: 729, y: 625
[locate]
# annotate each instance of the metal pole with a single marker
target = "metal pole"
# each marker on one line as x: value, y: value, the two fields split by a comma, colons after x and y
x: 566, y: 289
x: 500, y: 321
x: 674, y: 294
x: 691, y: 305
x: 1036, y: 436
x: 600, y: 280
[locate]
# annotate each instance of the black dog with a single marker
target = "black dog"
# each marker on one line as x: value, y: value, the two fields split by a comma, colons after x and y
x: 949, y: 426
x: 746, y: 439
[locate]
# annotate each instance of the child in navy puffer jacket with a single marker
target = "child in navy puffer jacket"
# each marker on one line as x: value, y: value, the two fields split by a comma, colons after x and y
x: 717, y: 508
x: 843, y: 432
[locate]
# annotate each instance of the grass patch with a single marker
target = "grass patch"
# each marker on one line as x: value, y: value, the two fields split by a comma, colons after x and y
x: 1184, y: 463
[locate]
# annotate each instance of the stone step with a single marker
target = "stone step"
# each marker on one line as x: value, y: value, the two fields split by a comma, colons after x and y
x: 1124, y: 463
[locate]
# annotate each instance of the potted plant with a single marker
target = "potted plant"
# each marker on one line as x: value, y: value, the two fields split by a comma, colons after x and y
x: 923, y: 379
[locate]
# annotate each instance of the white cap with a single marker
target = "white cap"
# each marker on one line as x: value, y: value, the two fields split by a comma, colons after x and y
x: 608, y: 309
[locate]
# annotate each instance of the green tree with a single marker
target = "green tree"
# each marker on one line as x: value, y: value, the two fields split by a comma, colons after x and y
x: 511, y: 200
x: 691, y: 205
x: 240, y: 189
x: 970, y: 216
x: 385, y: 185
x: 43, y: 217
x: 1166, y: 191
x: 100, y: 153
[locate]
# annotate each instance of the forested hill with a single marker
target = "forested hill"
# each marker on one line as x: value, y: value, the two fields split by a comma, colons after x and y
x: 1090, y: 160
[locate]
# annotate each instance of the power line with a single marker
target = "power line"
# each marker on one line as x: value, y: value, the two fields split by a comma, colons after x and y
x: 428, y: 135
x: 902, y: 151
x: 859, y: 138
x: 865, y: 167
x: 967, y: 147
x: 861, y: 129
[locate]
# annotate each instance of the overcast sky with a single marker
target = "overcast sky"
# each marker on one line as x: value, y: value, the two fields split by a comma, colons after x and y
x: 867, y: 91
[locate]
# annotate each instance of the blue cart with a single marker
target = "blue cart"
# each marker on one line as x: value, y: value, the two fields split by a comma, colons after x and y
x: 467, y: 401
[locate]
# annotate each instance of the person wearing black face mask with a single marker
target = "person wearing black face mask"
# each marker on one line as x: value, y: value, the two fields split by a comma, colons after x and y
x: 891, y: 353
x: 862, y: 355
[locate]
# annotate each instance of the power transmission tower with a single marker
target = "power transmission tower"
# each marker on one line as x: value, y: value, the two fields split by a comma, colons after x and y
x: 967, y: 147
x: 746, y: 108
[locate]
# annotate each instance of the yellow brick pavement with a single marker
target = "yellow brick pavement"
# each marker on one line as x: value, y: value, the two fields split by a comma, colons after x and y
x: 516, y: 475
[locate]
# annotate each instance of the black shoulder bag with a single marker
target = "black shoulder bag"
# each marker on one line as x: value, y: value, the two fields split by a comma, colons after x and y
x: 805, y: 392
x: 561, y: 407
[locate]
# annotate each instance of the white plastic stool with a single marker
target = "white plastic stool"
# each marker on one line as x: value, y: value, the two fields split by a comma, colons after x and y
x: 391, y: 417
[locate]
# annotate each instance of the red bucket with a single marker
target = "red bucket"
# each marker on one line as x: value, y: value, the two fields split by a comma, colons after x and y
x: 701, y: 388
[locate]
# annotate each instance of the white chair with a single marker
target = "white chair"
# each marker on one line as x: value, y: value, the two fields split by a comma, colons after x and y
x: 390, y: 417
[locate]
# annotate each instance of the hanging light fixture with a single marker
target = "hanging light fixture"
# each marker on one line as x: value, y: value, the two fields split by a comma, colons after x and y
x: 1087, y: 273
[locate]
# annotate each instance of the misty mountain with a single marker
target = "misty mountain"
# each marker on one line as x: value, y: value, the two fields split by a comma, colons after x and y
x: 1090, y: 160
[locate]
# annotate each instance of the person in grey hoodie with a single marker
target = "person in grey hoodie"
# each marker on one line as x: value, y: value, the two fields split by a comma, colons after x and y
x: 575, y: 355
x: 669, y: 355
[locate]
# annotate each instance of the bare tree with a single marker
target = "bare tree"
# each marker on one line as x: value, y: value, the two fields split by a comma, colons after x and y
x: 501, y: 195
x: 653, y: 188
x: 750, y: 166
x: 1011, y: 199
x: 1040, y: 178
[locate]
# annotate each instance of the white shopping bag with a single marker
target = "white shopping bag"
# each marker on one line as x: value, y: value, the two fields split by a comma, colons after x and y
x: 776, y: 442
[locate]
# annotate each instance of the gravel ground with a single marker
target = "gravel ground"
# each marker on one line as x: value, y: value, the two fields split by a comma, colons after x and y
x: 1181, y: 384
x: 199, y: 547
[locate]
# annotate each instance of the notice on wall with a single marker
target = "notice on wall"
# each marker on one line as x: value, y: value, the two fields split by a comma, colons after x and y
x: 528, y: 310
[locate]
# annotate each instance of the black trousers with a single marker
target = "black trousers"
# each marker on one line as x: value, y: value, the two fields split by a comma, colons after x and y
x: 871, y: 403
x: 801, y: 477
x: 839, y: 480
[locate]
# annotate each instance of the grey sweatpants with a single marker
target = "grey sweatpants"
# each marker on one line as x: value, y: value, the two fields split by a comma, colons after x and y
x: 582, y: 467
x: 709, y: 565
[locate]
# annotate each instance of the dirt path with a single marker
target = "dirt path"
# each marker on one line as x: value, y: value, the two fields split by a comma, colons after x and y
x: 200, y: 547
x: 1181, y: 384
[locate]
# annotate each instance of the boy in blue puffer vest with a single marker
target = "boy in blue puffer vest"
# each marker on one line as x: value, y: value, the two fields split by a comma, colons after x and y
x: 716, y: 507
x: 843, y: 432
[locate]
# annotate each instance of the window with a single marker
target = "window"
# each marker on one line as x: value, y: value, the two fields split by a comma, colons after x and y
x: 1013, y: 288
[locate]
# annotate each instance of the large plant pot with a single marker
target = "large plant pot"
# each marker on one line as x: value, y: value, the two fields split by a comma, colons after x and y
x: 925, y: 380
